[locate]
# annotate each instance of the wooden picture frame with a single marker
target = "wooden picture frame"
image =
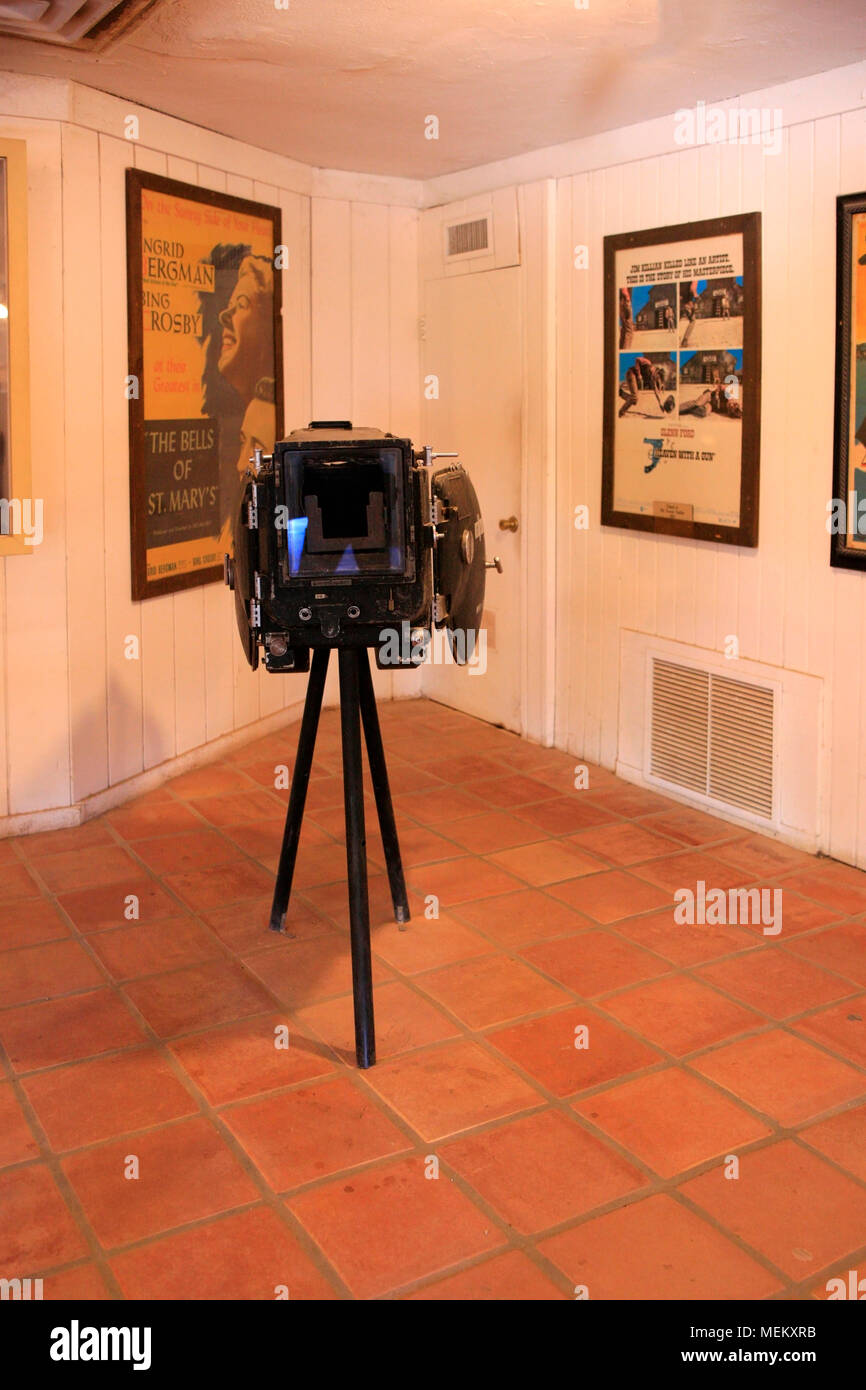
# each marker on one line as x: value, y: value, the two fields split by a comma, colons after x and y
x: 205, y: 370
x: 19, y: 511
x: 846, y: 519
x: 682, y: 380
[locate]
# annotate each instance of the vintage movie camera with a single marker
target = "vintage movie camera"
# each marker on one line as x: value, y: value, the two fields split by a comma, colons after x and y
x: 345, y: 537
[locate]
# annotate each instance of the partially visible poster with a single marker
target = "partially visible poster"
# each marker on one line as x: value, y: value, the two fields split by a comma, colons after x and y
x: 682, y: 380
x: 847, y: 510
x: 205, y: 369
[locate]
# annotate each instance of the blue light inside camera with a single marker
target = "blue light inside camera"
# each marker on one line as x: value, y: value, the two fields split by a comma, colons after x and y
x: 296, y: 529
x: 347, y: 563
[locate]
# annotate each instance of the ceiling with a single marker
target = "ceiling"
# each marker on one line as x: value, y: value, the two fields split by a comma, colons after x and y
x: 347, y: 84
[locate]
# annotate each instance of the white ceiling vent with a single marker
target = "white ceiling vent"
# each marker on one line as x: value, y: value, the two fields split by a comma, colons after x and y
x: 468, y: 238
x: 90, y: 24
x: 714, y: 735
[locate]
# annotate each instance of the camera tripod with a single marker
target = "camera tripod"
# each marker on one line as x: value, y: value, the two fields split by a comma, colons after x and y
x: 357, y: 705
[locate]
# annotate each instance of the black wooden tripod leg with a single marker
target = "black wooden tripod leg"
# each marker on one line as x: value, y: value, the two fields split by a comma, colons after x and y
x: 356, y: 857
x: 298, y: 793
x: 379, y: 777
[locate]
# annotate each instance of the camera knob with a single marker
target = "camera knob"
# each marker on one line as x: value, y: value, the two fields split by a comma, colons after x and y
x: 494, y: 564
x: 229, y: 571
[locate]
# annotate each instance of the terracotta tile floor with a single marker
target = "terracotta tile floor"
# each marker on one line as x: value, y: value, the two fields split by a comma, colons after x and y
x: 573, y: 1091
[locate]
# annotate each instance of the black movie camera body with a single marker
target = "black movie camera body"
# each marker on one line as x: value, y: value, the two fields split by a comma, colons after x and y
x: 351, y: 538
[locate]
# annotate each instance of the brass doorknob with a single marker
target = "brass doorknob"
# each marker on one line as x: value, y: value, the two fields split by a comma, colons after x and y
x: 508, y: 523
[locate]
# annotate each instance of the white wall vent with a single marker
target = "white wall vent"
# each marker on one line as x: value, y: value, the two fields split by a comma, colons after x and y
x: 714, y: 735
x: 741, y: 739
x: 87, y: 24
x: 471, y: 236
x: 467, y: 238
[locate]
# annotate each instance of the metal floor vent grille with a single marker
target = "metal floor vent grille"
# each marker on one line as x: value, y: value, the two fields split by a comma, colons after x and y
x: 713, y: 735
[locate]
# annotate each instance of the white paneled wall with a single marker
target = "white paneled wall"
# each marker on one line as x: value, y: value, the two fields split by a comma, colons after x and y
x: 365, y: 344
x: 77, y: 716
x: 783, y: 601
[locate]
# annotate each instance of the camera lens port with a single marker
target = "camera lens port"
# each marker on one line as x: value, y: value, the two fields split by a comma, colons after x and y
x: 305, y: 614
x: 353, y: 611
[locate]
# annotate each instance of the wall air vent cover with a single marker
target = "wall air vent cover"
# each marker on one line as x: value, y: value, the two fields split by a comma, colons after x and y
x: 714, y: 735
x: 82, y: 24
x: 467, y: 238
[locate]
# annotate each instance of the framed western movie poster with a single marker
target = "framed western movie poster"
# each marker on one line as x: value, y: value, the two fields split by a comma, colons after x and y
x: 847, y: 512
x: 205, y: 371
x: 682, y: 380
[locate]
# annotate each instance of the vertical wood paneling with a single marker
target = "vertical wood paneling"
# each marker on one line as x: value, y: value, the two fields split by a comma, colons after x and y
x: 851, y: 616
x: 85, y: 536
x: 35, y: 654
x: 122, y: 616
x: 331, y: 300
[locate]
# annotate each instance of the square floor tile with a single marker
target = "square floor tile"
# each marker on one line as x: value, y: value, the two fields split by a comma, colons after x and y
x: 116, y: 905
x: 247, y: 1255
x: 841, y: 949
x: 842, y: 1139
x: 17, y: 1141
x: 504, y: 1166
x: 404, y: 1020
x: 607, y: 897
x: 94, y: 1101
x: 782, y: 1076
x: 564, y: 815
x: 492, y: 831
x: 624, y: 842
x: 680, y: 1014
x: 573, y: 1050
x: 656, y: 1249
x: 298, y: 1136
x: 46, y: 972
x: 777, y: 983
x: 842, y: 1028
x: 491, y: 989
x: 199, y: 996
x: 682, y: 943
x: 37, y: 1229
x: 456, y: 881
x: 546, y: 863
x: 788, y: 1204
x: 390, y: 1226
x: 506, y: 1278
x: 594, y: 962
x: 516, y: 919
x: 67, y: 1030
x: 151, y: 948
x: 29, y: 922
x: 255, y: 1055
x: 671, y: 1121
x: 426, y: 943
x: 445, y: 1090
x: 186, y: 1171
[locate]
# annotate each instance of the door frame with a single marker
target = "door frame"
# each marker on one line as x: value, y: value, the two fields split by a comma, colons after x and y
x: 536, y: 221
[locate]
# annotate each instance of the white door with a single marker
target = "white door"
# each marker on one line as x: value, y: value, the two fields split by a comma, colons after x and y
x: 472, y: 346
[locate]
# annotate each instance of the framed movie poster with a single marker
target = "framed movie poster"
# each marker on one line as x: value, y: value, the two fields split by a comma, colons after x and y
x: 205, y: 371
x: 682, y: 384
x: 847, y: 519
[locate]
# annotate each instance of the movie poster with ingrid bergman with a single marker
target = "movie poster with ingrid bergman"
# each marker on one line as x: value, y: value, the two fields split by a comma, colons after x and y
x: 680, y: 385
x: 204, y: 371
